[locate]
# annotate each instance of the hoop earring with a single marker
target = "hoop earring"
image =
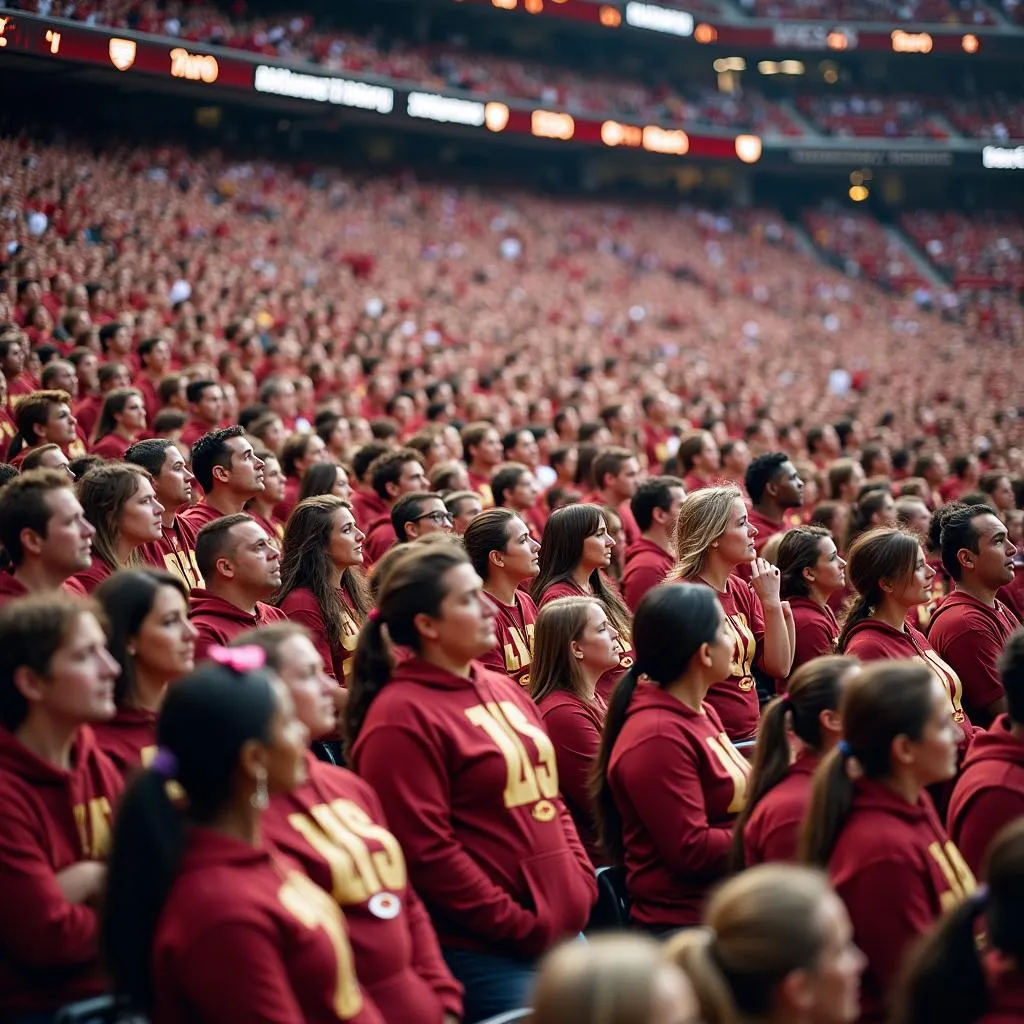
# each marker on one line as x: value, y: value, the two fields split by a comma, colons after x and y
x: 260, y: 798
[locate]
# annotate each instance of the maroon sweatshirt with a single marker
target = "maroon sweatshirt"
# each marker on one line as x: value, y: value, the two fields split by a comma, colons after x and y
x: 816, y: 630
x: 735, y: 698
x: 246, y: 936
x: 380, y: 538
x: 128, y: 739
x: 678, y: 783
x: 1005, y: 991
x: 575, y: 726
x: 89, y: 579
x: 301, y: 606
x: 219, y: 622
x: 368, y: 507
x: 646, y: 566
x: 333, y: 826
x: 195, y: 517
x: 175, y: 552
x: 51, y: 819
x: 772, y: 831
x: 11, y: 588
x: 969, y: 636
x: 490, y: 844
x: 989, y: 792
x: 1012, y: 594
x: 897, y: 872
x: 607, y: 683
x: 514, y: 624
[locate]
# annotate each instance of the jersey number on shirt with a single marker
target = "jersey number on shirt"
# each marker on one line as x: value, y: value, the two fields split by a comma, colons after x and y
x: 506, y: 724
x: 737, y: 767
x: 337, y: 832
x: 956, y: 872
x: 743, y: 651
x: 93, y: 822
x: 311, y: 906
x: 349, y: 639
x: 518, y: 653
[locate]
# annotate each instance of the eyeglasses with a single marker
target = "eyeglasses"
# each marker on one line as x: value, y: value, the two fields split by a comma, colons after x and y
x: 440, y: 518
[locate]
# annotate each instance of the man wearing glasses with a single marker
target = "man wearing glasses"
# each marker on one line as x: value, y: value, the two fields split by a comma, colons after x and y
x: 418, y: 514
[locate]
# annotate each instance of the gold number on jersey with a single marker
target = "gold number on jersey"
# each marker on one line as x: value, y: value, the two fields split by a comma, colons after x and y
x: 735, y: 764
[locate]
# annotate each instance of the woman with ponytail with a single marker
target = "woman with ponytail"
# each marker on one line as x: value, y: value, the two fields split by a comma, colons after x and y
x: 333, y: 826
x: 574, y: 559
x: 872, y: 825
x: 714, y: 538
x: 948, y: 978
x: 777, y: 947
x: 205, y: 922
x: 780, y: 785
x: 811, y: 571
x: 668, y: 781
x: 467, y: 777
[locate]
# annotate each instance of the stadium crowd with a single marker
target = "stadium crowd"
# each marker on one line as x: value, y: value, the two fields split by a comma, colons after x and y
x: 385, y: 560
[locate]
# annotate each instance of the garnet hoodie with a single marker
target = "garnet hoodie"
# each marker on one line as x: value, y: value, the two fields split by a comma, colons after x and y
x: 468, y: 779
x: 219, y: 622
x: 989, y: 793
x: 816, y: 630
x: 51, y: 819
x: 514, y: 624
x: 301, y: 606
x: 646, y: 565
x: 128, y: 739
x: 772, y: 831
x: 380, y: 538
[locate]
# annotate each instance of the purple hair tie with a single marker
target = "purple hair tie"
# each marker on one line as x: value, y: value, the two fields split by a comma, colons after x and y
x: 247, y: 658
x: 164, y: 763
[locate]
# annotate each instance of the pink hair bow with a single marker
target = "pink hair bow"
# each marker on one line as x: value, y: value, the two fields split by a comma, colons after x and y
x: 242, y: 659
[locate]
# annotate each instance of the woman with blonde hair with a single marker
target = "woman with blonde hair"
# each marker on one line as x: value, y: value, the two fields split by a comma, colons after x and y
x: 574, y: 646
x: 777, y: 947
x: 613, y: 979
x: 713, y: 538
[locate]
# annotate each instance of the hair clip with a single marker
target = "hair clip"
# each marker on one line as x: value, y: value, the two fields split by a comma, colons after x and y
x: 374, y: 614
x: 242, y: 659
x: 844, y: 748
x: 164, y: 763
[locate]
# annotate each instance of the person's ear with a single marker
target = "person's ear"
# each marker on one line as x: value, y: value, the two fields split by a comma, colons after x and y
x: 495, y: 559
x: 704, y: 654
x: 225, y: 567
x: 29, y: 684
x: 796, y: 991
x: 31, y: 542
x: 830, y: 721
x: 221, y: 474
x: 426, y: 626
x: 902, y: 750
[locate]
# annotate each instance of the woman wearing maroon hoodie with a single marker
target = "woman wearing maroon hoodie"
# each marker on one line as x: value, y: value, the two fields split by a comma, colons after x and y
x: 204, y: 921
x: 467, y: 777
x: 574, y: 556
x: 670, y: 781
x: 780, y: 784
x: 811, y: 571
x: 872, y: 825
x: 150, y: 635
x: 713, y: 538
x: 576, y: 645
x: 332, y: 824
x: 949, y: 979
x: 57, y: 792
x: 322, y: 584
x: 990, y: 790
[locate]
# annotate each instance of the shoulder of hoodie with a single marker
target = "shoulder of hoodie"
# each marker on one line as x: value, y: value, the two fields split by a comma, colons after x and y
x: 888, y: 834
x: 970, y: 612
x: 660, y: 725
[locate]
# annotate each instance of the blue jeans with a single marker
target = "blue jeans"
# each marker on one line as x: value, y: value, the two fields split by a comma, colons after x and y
x: 494, y: 984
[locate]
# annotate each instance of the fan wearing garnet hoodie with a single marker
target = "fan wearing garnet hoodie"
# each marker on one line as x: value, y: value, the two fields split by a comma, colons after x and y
x: 261, y: 506
x: 490, y: 845
x: 670, y: 780
x: 44, y: 417
x: 655, y: 508
x: 227, y: 469
x: 616, y: 472
x: 514, y: 487
x: 576, y: 645
x: 811, y: 571
x: 955, y: 978
x: 44, y: 534
x: 805, y: 717
x: 122, y: 420
x: 505, y: 556
x: 300, y: 452
x: 242, y: 569
x: 971, y: 627
x: 482, y: 452
x: 58, y: 793
x: 391, y: 475
x: 713, y: 538
x: 155, y: 362
x: 990, y: 791
x: 206, y: 410
x: 13, y: 354
x: 150, y: 635
x: 872, y: 826
x: 108, y: 377
x: 660, y: 440
x: 175, y: 551
x: 576, y: 552
x: 367, y: 505
x: 699, y: 459
x: 774, y: 487
x: 205, y: 921
x: 332, y: 824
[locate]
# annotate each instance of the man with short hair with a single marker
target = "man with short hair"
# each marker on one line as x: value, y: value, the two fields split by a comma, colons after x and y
x: 655, y: 508
x: 774, y: 487
x: 206, y: 406
x: 241, y: 569
x: 60, y: 375
x: 970, y: 626
x: 172, y: 482
x: 44, y: 417
x: 278, y: 395
x: 914, y: 515
x: 616, y: 475
x: 367, y: 505
x: 108, y: 376
x: 735, y: 461
x: 464, y: 507
x: 155, y: 362
x: 700, y: 460
x: 393, y: 474
x: 418, y: 514
x: 989, y: 793
x: 45, y: 534
x: 481, y: 451
x: 514, y: 486
x: 229, y: 473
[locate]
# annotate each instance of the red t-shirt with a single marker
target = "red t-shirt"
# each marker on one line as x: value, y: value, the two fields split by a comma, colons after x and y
x: 515, y: 625
x: 773, y: 829
x: 333, y: 826
x: 646, y: 566
x: 175, y: 552
x: 816, y: 630
x: 89, y: 579
x: 195, y: 517
x: 111, y: 446
x: 380, y: 538
x: 368, y: 507
x: 1013, y: 593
